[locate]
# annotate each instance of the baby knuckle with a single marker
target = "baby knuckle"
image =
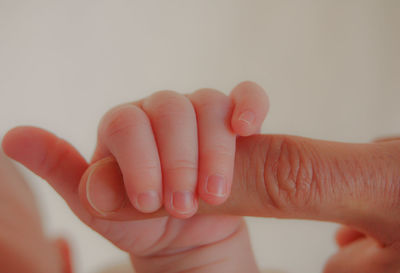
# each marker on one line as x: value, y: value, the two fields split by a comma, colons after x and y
x: 163, y: 94
x: 221, y: 150
x: 181, y: 166
x: 209, y: 93
x: 247, y: 83
x: 147, y: 167
x: 208, y: 97
x: 167, y: 104
x: 120, y: 121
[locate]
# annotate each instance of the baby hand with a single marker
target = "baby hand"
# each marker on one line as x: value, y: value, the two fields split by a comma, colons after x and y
x: 172, y: 149
x: 165, y: 150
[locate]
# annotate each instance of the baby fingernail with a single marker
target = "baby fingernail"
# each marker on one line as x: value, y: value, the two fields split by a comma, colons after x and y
x: 183, y: 201
x: 216, y: 185
x: 247, y: 117
x: 148, y: 201
x: 105, y: 190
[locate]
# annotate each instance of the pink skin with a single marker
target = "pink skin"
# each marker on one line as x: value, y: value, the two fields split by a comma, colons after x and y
x: 280, y: 176
x: 180, y: 156
x: 156, y: 140
x: 23, y: 246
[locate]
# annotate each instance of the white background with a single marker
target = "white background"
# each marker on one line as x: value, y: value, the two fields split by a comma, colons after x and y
x: 331, y: 68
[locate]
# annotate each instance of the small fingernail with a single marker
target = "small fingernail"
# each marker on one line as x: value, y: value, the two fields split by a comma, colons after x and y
x: 247, y: 117
x: 104, y: 188
x: 216, y: 185
x: 183, y: 201
x: 148, y: 201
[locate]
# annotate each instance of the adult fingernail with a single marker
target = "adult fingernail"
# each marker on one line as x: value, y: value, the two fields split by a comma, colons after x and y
x: 105, y: 190
x: 148, y: 201
x: 247, y: 117
x: 216, y: 185
x: 183, y: 201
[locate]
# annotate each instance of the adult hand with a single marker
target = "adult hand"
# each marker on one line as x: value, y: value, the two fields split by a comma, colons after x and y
x: 23, y: 246
x: 357, y: 185
x: 281, y: 176
x: 172, y: 150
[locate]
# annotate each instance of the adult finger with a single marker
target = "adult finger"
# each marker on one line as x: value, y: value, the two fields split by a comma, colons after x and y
x: 251, y: 105
x: 364, y: 256
x: 50, y: 157
x: 294, y: 177
x: 346, y: 235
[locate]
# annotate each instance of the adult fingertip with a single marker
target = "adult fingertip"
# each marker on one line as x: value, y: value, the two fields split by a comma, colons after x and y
x: 24, y: 143
x: 9, y: 141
